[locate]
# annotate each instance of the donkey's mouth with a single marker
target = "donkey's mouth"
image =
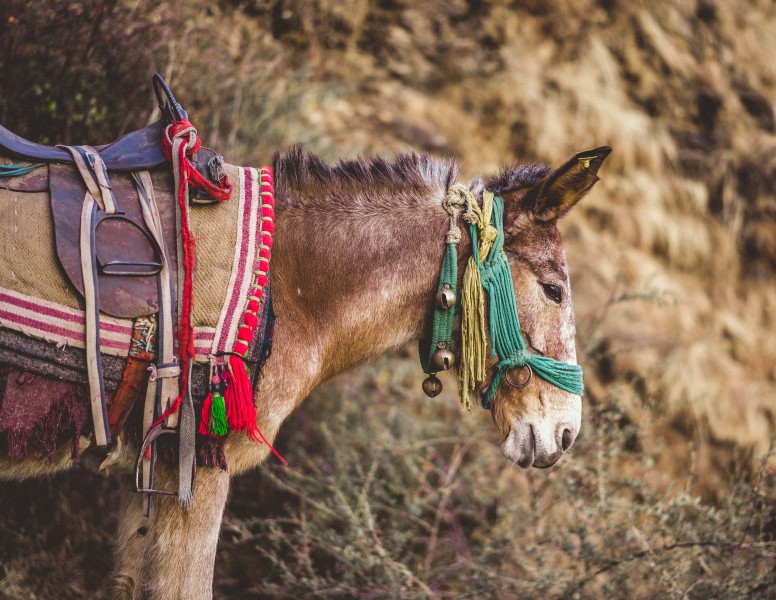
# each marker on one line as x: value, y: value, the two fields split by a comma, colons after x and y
x: 529, y: 445
x: 520, y: 445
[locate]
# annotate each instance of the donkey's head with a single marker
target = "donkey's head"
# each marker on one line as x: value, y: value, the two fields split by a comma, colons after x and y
x: 538, y: 420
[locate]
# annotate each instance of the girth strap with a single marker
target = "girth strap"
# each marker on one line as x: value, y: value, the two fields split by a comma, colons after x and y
x: 93, y: 356
x: 164, y: 382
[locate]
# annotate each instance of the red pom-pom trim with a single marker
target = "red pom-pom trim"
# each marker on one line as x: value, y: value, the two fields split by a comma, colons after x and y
x: 240, y: 410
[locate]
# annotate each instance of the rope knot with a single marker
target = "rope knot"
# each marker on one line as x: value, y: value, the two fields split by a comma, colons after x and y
x: 458, y: 198
x: 181, y: 141
x: 519, y: 358
x: 489, y: 234
x: 178, y: 131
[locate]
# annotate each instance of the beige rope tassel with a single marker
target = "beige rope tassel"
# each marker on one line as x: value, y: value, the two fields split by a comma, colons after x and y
x: 474, y: 343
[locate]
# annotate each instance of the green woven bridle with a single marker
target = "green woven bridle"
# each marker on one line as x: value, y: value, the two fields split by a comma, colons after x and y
x: 495, y: 278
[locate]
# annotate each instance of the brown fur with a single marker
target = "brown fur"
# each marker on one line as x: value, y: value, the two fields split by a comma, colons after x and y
x: 356, y: 261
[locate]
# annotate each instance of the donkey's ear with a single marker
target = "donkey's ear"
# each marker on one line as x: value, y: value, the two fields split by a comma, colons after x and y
x: 557, y: 193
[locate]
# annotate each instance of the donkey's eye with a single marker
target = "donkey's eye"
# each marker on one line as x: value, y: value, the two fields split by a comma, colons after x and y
x: 553, y: 292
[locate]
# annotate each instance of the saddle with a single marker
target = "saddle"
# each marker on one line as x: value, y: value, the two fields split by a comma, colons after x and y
x: 134, y: 151
x: 117, y: 223
x: 127, y: 259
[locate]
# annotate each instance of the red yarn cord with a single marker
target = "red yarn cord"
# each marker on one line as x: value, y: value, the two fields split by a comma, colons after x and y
x: 187, y: 175
x: 220, y: 192
x: 204, y: 422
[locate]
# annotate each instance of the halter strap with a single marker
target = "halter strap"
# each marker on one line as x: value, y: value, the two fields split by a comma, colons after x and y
x: 487, y: 271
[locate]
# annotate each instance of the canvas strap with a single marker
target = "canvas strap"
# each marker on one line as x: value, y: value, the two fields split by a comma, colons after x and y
x: 95, y: 176
x: 164, y: 381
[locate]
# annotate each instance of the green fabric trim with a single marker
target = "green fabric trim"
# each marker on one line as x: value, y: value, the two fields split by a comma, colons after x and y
x: 18, y: 169
x: 506, y: 338
x: 443, y: 318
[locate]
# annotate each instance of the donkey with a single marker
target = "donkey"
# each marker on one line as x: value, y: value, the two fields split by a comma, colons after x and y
x: 362, y: 239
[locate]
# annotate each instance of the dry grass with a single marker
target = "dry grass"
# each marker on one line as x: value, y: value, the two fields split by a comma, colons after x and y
x: 673, y: 259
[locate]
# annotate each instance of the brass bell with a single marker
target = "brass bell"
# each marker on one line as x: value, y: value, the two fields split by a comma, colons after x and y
x: 443, y: 359
x: 445, y: 297
x: 432, y: 386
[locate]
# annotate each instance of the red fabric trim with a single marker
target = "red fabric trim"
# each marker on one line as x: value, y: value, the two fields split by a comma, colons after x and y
x: 240, y: 410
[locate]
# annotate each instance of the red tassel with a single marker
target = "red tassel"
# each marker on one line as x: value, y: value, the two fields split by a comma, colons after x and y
x: 240, y: 411
x: 204, y: 423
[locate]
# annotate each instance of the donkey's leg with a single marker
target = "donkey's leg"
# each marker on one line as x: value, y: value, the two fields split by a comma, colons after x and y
x: 172, y: 553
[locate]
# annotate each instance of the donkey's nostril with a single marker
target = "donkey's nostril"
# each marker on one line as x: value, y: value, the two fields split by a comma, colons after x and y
x: 567, y: 438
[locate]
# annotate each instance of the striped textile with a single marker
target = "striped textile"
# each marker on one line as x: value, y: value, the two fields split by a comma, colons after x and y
x: 64, y: 326
x: 245, y: 252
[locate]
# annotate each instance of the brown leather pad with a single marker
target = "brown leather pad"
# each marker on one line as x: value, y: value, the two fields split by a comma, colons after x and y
x: 116, y: 240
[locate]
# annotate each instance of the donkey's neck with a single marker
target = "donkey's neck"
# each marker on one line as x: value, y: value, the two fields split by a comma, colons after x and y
x: 353, y: 282
x: 356, y: 289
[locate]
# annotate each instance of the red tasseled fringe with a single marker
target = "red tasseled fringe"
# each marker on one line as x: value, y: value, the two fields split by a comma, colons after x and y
x: 204, y: 422
x: 240, y: 411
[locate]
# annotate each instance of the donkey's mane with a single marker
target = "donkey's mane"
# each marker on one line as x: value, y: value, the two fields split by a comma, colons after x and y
x: 517, y: 176
x: 305, y: 180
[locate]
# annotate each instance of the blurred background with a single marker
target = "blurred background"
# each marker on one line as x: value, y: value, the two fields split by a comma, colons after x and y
x: 669, y: 490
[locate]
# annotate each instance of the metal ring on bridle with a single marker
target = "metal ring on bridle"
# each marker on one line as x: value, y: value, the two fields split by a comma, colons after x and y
x: 521, y: 384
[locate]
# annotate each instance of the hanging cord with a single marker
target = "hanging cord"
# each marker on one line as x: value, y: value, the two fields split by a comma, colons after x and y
x: 459, y: 199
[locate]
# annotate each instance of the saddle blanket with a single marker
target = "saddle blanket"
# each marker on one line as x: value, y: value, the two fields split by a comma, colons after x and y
x: 38, y: 304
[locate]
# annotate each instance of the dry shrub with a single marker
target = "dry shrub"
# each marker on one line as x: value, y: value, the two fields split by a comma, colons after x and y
x: 383, y: 500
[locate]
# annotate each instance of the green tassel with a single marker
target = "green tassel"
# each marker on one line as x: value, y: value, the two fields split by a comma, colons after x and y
x: 218, y: 425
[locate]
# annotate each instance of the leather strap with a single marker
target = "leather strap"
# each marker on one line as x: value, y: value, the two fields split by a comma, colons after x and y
x: 93, y: 356
x: 95, y: 175
x: 165, y: 376
x: 147, y: 455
